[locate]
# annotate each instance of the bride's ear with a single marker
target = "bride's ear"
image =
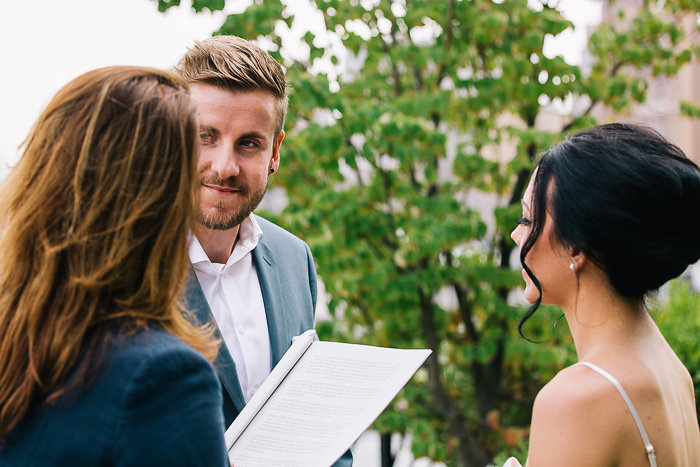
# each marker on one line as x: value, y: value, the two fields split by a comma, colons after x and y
x: 577, y: 260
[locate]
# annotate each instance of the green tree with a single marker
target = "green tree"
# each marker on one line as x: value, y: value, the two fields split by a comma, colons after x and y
x: 678, y: 319
x: 411, y: 136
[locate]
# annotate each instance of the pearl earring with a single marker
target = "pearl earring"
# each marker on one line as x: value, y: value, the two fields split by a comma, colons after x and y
x: 571, y: 266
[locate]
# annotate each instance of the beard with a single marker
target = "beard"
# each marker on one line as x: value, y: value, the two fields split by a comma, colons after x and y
x: 226, y: 216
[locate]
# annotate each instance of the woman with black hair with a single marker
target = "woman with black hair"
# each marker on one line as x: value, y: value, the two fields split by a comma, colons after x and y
x: 610, y: 215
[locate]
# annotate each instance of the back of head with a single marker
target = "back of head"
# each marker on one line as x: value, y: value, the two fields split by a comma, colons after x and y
x: 238, y: 65
x: 94, y: 227
x: 628, y: 199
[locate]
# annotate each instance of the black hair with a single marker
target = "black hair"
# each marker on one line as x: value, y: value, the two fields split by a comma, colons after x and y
x: 625, y: 197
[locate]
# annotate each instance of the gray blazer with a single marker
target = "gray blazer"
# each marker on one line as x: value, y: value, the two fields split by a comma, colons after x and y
x: 287, y: 278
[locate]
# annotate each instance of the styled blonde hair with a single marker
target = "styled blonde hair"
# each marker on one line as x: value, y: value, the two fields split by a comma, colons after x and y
x: 94, y: 221
x: 238, y: 65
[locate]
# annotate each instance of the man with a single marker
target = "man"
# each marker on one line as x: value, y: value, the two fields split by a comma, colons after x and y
x: 256, y: 280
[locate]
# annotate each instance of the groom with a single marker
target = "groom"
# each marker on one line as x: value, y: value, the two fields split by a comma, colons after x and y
x: 254, y: 280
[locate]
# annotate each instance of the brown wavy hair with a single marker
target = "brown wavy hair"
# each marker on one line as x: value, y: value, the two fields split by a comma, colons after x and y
x: 94, y: 221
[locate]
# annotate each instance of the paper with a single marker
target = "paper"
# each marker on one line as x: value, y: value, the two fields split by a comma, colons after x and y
x: 317, y: 401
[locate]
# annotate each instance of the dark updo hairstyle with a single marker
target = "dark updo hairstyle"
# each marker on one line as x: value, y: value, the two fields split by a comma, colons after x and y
x: 625, y: 197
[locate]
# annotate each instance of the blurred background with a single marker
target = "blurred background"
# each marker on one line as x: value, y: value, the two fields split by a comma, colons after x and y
x: 412, y: 131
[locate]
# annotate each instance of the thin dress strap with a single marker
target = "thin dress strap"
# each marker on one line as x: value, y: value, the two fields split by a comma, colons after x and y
x: 647, y: 444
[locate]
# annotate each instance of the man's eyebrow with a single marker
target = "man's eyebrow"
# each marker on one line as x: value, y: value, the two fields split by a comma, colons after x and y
x: 208, y: 128
x: 252, y: 135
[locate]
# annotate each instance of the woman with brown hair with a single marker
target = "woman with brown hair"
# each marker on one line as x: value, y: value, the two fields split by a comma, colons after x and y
x: 98, y: 365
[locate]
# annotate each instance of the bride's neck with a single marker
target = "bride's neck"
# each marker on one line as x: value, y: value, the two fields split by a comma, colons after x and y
x: 600, y: 319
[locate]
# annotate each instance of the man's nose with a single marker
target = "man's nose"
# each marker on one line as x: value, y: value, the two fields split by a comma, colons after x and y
x: 224, y: 162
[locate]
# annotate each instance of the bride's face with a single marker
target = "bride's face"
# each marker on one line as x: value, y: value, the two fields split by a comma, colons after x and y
x: 547, y: 259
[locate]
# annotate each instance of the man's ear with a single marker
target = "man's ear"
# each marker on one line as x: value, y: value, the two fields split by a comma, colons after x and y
x: 275, y: 159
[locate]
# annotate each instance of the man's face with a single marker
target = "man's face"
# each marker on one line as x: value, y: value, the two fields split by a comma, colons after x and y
x: 238, y: 149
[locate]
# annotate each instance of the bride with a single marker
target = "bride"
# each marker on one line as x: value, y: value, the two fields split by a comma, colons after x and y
x: 610, y: 215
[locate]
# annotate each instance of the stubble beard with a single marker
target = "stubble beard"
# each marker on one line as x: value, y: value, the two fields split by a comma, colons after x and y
x: 221, y: 220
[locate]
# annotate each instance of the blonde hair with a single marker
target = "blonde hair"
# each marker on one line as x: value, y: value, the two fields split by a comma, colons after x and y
x: 93, y: 230
x: 238, y: 65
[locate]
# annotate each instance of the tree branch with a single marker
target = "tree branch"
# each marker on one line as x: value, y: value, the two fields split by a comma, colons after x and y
x: 465, y: 311
x: 568, y: 126
x: 448, y: 39
x: 467, y: 448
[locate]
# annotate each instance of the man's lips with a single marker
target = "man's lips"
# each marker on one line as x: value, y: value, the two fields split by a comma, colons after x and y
x: 221, y: 189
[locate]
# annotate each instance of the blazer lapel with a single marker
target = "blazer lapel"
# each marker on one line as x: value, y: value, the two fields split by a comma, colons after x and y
x: 271, y: 288
x: 196, y: 302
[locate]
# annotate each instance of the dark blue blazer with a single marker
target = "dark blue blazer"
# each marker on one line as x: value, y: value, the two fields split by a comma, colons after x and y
x: 287, y: 278
x: 153, y: 401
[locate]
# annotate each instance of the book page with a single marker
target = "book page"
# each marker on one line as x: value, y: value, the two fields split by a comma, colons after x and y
x: 333, y: 393
x: 300, y: 344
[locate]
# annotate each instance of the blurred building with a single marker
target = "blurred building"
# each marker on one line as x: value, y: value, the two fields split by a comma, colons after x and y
x: 662, y: 109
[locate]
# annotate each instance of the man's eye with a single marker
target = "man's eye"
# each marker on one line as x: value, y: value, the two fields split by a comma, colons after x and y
x: 247, y: 143
x: 206, y: 137
x: 523, y: 221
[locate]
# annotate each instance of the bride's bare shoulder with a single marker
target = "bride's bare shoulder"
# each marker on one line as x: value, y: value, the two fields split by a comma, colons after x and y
x: 573, y: 419
x: 573, y: 388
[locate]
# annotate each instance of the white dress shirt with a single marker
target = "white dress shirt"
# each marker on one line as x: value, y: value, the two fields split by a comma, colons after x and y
x: 234, y: 296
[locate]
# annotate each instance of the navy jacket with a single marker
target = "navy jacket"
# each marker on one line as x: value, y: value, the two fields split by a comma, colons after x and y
x: 154, y: 401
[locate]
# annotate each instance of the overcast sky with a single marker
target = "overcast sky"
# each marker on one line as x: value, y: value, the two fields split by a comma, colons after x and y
x: 46, y: 43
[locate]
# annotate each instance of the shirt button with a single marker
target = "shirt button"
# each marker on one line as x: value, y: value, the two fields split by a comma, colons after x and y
x: 241, y: 329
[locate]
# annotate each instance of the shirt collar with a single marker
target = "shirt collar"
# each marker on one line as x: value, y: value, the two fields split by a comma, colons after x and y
x: 249, y: 233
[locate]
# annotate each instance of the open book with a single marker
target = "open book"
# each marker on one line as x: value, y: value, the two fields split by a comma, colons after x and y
x: 317, y: 401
